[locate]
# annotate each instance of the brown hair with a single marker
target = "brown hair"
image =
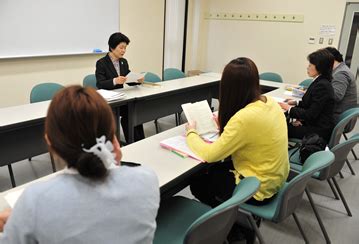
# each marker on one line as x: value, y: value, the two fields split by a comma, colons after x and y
x: 76, y: 117
x: 238, y: 87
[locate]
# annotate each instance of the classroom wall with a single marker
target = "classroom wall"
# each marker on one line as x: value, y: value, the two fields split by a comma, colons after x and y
x: 143, y: 25
x: 274, y: 46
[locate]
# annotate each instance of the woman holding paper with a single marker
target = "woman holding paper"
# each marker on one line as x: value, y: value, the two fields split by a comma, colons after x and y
x: 94, y: 199
x: 315, y: 113
x: 253, y: 132
x: 111, y: 72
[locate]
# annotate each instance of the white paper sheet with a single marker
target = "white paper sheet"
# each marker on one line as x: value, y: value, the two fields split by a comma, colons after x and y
x: 134, y: 77
x: 202, y: 114
x: 111, y: 95
x: 178, y: 143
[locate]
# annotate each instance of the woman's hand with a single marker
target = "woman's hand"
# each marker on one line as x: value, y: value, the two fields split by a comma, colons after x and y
x: 191, y: 125
x: 120, y: 80
x: 284, y: 106
x: 291, y: 102
x: 215, y: 118
x: 4, y: 215
x: 297, y: 123
x: 141, y: 80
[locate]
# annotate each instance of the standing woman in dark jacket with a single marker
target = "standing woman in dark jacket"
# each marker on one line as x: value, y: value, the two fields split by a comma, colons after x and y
x: 314, y: 114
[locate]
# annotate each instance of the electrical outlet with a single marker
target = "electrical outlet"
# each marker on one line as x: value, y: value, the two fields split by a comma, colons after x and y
x: 321, y: 40
x: 330, y: 41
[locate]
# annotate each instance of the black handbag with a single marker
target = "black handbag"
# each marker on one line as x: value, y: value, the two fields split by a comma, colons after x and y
x: 311, y: 143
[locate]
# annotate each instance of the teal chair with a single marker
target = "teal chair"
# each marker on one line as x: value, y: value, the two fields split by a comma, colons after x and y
x: 173, y: 73
x: 39, y: 93
x: 271, y: 77
x: 306, y: 83
x: 349, y: 127
x: 290, y: 195
x: 152, y: 77
x: 89, y: 81
x: 44, y: 91
x: 341, y: 152
x: 182, y: 220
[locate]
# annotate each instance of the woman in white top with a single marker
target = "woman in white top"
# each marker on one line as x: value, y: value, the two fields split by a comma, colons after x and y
x: 92, y: 200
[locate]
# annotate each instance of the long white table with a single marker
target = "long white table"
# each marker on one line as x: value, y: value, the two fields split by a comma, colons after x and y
x: 172, y: 171
x: 22, y: 127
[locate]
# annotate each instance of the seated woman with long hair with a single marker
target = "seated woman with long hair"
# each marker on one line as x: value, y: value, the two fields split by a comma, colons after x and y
x: 92, y: 200
x: 253, y: 132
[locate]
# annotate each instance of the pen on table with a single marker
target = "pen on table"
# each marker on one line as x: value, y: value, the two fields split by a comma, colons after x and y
x: 178, y: 154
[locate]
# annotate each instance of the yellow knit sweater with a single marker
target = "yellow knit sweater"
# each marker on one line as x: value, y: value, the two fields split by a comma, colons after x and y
x: 256, y: 138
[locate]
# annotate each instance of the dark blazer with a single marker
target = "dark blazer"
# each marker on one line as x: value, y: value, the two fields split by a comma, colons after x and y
x: 317, y: 106
x: 105, y: 72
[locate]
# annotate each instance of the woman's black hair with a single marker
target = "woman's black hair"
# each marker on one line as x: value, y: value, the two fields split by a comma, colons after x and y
x: 115, y: 39
x: 323, y: 61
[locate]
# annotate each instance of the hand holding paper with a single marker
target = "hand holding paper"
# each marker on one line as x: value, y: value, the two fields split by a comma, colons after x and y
x: 133, y: 77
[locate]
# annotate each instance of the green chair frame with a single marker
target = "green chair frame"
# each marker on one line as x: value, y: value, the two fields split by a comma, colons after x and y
x: 271, y: 77
x: 290, y: 195
x: 89, y: 81
x: 183, y: 220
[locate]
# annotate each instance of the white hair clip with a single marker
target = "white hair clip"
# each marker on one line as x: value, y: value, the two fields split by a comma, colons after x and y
x: 103, y: 149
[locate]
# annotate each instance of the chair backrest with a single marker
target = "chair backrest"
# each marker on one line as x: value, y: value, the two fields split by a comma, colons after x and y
x: 173, y: 73
x: 44, y: 91
x: 350, y: 126
x: 214, y: 226
x: 152, y: 77
x: 271, y: 77
x: 89, y: 81
x: 344, y: 119
x: 291, y: 194
x: 341, y: 152
x: 306, y: 83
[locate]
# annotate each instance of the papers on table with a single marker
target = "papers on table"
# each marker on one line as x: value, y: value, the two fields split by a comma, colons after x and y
x: 179, y: 145
x: 111, y: 95
x: 211, y: 74
x: 134, y: 77
x: 12, y: 197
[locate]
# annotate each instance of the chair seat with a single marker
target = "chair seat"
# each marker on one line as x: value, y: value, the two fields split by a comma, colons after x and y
x: 266, y: 211
x: 175, y: 216
x: 298, y: 168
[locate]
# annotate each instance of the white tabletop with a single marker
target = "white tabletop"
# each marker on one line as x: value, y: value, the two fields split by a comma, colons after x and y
x: 147, y: 152
x: 166, y: 164
x: 23, y: 113
x: 167, y: 86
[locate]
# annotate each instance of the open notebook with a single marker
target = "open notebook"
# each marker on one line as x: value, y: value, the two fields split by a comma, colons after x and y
x: 179, y: 144
x: 201, y: 113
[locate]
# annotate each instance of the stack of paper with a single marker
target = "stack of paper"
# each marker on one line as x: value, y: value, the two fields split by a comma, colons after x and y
x: 111, y: 95
x: 179, y: 145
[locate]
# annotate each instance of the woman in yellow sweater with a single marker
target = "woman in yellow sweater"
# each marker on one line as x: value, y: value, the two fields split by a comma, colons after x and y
x: 253, y: 131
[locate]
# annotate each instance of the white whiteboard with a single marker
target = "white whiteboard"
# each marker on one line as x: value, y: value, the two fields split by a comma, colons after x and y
x: 31, y: 28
